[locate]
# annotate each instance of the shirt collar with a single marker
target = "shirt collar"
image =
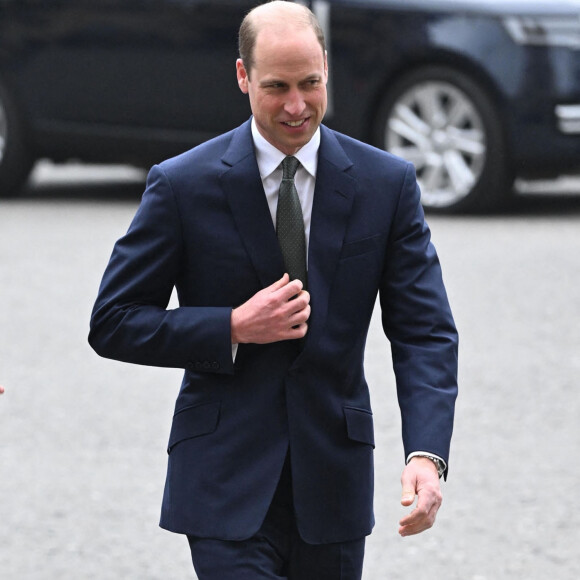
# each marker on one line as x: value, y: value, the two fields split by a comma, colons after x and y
x: 269, y: 158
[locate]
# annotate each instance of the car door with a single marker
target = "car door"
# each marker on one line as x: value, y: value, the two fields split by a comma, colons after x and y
x: 167, y: 65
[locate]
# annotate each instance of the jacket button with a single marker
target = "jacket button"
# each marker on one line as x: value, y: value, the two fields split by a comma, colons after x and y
x: 215, y: 365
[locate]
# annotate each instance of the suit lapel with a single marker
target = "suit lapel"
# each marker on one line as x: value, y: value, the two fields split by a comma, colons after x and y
x: 333, y: 196
x: 243, y: 186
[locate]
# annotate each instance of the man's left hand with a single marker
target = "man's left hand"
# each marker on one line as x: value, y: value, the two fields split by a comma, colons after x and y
x: 420, y: 479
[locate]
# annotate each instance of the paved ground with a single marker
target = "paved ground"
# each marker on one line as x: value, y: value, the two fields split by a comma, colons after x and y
x: 82, y: 440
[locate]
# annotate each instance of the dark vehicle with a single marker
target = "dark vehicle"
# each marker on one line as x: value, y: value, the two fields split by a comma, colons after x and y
x: 473, y: 93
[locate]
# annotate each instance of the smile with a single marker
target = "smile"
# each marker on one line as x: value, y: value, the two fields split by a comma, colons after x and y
x: 295, y: 123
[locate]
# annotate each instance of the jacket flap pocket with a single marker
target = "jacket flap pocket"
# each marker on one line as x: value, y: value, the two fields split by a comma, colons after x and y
x: 193, y: 422
x: 359, y: 425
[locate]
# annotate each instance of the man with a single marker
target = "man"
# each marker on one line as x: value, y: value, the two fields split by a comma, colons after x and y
x: 270, y: 454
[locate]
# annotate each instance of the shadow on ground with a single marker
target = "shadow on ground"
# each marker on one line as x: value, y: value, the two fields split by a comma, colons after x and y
x: 546, y: 204
x: 79, y: 182
x: 107, y: 191
x: 122, y: 184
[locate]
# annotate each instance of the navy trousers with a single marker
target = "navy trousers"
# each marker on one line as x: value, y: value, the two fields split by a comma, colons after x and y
x: 277, y: 552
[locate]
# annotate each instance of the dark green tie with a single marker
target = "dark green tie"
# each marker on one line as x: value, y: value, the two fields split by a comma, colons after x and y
x: 290, y: 223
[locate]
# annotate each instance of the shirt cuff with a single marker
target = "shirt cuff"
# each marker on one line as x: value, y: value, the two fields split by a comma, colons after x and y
x: 428, y: 454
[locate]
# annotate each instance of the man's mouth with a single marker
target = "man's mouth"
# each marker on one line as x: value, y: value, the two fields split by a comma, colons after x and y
x: 295, y: 123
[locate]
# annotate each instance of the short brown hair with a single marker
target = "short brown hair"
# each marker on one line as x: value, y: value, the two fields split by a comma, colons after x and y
x: 249, y: 31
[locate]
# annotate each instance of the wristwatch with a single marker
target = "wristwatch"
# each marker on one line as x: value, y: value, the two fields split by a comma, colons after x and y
x: 439, y: 464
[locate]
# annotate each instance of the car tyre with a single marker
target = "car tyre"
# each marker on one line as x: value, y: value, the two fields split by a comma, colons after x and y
x: 15, y: 160
x: 446, y: 125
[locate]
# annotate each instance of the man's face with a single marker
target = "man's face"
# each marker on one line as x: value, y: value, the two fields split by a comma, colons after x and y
x: 287, y: 89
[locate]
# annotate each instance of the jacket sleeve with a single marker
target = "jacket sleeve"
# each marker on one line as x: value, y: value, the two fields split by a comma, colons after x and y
x: 417, y: 320
x: 130, y: 321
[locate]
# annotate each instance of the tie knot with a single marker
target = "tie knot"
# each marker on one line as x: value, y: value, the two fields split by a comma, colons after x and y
x: 289, y: 167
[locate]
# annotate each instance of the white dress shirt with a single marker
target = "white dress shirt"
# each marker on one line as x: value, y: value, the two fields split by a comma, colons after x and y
x: 270, y: 165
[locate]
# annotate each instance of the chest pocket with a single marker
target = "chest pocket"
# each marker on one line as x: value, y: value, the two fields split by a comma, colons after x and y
x: 359, y: 247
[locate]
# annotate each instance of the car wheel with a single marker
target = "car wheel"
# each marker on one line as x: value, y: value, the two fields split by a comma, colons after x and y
x: 15, y: 161
x: 443, y: 123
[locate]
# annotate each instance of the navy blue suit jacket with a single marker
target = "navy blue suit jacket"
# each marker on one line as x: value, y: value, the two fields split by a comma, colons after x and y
x: 204, y: 227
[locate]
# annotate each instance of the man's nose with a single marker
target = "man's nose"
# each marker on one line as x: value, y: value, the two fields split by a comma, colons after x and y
x: 294, y: 104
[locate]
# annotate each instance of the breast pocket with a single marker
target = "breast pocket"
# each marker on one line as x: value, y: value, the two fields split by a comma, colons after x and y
x: 356, y: 282
x: 359, y: 247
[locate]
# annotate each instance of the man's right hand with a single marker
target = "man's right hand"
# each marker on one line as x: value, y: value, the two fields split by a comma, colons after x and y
x: 278, y: 312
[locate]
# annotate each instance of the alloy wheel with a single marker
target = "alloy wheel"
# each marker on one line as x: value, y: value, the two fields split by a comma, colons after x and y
x: 437, y: 127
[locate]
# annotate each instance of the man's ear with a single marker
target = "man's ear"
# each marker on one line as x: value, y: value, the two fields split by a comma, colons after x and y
x: 242, y: 76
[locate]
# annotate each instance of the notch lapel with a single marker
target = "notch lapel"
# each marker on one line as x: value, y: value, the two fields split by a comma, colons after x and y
x: 333, y: 197
x: 245, y: 193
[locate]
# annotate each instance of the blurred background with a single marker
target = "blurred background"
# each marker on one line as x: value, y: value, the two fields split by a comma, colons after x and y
x: 483, y: 97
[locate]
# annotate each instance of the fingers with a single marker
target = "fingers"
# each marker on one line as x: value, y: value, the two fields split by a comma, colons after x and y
x: 420, y: 519
x: 293, y: 300
x: 407, y: 497
x: 279, y: 283
x: 423, y: 516
x: 298, y: 312
x: 408, y: 483
x: 420, y: 480
x: 301, y: 311
x: 288, y: 290
x: 277, y: 312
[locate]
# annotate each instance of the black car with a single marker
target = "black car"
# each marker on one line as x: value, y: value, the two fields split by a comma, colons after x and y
x: 473, y: 93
